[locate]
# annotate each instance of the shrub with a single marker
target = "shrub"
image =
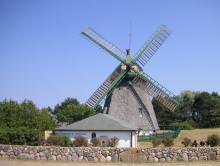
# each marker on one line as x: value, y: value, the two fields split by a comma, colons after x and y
x: 104, y: 141
x: 59, y: 140
x: 167, y: 141
x: 95, y: 141
x: 113, y: 142
x: 4, y: 138
x: 213, y: 140
x: 67, y: 141
x: 202, y: 143
x: 19, y: 136
x: 186, y: 125
x: 80, y: 141
x: 194, y: 144
x: 156, y: 142
x: 41, y: 141
x: 186, y: 142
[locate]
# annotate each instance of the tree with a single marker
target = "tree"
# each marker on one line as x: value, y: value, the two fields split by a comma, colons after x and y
x: 70, y: 111
x: 75, y: 113
x: 206, y: 110
x: 8, y: 113
x: 65, y: 103
x: 201, y: 107
x: 214, y: 113
x: 44, y: 120
x: 25, y: 114
x: 164, y: 116
x: 196, y: 109
x: 186, y: 100
x: 23, y: 123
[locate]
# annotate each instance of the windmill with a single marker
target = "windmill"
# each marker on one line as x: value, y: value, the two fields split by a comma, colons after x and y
x: 127, y: 91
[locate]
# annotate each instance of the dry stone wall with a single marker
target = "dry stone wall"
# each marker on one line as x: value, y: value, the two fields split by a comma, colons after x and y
x: 104, y: 154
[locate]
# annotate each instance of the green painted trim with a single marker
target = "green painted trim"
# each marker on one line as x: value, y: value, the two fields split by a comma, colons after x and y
x: 114, y: 84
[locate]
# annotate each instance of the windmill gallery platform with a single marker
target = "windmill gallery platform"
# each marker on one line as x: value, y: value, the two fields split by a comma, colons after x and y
x: 127, y: 92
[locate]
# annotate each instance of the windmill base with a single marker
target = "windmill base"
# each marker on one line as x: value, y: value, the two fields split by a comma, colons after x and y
x: 132, y: 104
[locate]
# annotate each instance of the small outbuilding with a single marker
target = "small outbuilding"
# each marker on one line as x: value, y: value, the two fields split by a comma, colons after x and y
x: 101, y: 126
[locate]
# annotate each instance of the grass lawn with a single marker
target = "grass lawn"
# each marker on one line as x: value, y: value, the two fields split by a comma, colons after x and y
x: 196, y: 134
x: 60, y: 163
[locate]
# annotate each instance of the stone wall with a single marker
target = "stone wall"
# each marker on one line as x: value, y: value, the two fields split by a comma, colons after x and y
x: 109, y: 154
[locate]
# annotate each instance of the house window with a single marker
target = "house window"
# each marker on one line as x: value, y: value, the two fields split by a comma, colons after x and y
x: 93, y: 135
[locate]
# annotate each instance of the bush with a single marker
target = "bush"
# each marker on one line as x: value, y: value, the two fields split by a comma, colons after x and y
x: 194, y: 144
x: 167, y: 141
x: 213, y: 140
x: 67, y: 141
x: 95, y: 141
x: 186, y: 125
x: 104, y: 141
x: 113, y: 142
x: 156, y: 142
x: 59, y: 140
x: 80, y: 141
x: 19, y: 136
x: 187, y: 142
x: 202, y: 143
x: 41, y: 141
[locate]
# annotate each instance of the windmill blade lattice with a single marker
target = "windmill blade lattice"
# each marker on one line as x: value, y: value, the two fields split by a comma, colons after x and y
x: 156, y: 90
x: 106, y: 87
x: 152, y: 45
x: 104, y: 44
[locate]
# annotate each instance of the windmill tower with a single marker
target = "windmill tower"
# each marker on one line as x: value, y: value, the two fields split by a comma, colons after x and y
x: 127, y: 91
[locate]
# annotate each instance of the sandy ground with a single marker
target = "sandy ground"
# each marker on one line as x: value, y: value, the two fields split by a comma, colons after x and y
x: 5, y: 162
x: 196, y: 134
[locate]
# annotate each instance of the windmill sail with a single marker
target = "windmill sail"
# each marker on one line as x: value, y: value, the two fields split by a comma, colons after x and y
x: 152, y: 45
x: 115, y: 78
x: 125, y: 88
x: 104, y: 44
x: 156, y: 90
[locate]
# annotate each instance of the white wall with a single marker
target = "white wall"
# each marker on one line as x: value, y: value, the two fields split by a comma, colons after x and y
x: 142, y: 132
x: 134, y: 139
x: 124, y: 137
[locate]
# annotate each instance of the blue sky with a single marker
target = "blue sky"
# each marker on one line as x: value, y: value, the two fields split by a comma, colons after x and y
x: 44, y: 58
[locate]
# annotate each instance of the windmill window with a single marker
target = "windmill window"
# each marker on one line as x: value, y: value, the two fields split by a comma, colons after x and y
x: 93, y: 135
x: 140, y: 110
